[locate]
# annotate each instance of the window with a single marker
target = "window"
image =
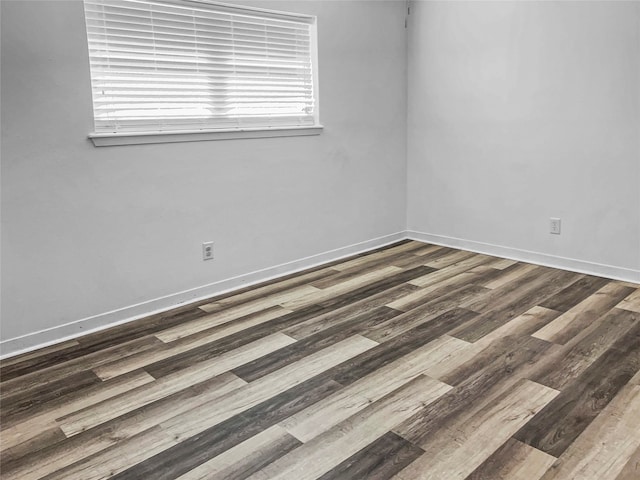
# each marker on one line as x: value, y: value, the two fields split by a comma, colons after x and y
x: 191, y: 66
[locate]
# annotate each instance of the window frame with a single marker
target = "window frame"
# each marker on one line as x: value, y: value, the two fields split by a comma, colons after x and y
x: 102, y: 139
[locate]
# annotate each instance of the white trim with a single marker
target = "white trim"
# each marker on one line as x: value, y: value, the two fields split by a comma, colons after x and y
x: 68, y: 331
x: 136, y: 138
x: 276, y: 14
x: 538, y: 258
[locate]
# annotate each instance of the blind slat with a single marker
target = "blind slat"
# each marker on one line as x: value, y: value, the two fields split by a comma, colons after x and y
x: 170, y: 66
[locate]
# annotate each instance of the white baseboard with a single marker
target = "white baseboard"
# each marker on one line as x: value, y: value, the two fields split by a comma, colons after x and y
x: 564, y: 263
x: 68, y: 331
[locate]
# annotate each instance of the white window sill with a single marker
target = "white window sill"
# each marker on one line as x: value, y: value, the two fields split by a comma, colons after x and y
x: 113, y: 139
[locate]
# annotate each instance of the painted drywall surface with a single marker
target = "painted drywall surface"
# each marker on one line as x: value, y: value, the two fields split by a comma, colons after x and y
x: 87, y: 230
x: 521, y: 111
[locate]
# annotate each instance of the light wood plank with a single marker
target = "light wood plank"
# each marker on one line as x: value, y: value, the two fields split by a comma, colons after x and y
x: 340, y: 288
x: 607, y: 444
x: 451, y: 258
x: 138, y: 397
x: 117, y: 458
x: 183, y: 345
x: 559, y: 331
x: 631, y: 470
x: 90, y: 443
x: 465, y: 446
x: 461, y: 266
x: 514, y: 461
x: 632, y: 302
x: 233, y: 462
x: 199, y: 419
x: 323, y: 415
x: 324, y: 452
x: 28, y: 429
x: 221, y: 318
x: 516, y: 273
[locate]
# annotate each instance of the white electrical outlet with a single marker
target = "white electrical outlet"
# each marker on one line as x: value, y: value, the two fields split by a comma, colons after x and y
x: 554, y: 226
x: 207, y: 251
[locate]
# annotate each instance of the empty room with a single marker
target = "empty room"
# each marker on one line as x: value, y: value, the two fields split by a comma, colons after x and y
x: 320, y: 240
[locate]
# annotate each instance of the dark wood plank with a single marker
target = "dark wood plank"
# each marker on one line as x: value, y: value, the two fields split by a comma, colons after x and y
x: 576, y: 357
x: 496, y: 369
x: 575, y: 293
x: 24, y: 401
x: 344, y: 314
x: 511, y: 461
x: 60, y: 371
x: 513, y: 304
x: 424, y: 313
x: 284, y: 356
x: 196, y: 450
x: 381, y: 460
x: 557, y: 425
x: 387, y: 352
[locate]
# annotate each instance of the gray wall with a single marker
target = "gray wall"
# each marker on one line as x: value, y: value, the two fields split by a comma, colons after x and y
x: 517, y: 111
x: 88, y: 230
x: 521, y: 111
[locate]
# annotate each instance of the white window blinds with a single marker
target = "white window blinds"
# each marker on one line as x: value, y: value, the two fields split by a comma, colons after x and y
x: 185, y: 65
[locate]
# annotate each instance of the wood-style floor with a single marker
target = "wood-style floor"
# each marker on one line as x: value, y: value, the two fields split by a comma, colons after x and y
x: 410, y: 362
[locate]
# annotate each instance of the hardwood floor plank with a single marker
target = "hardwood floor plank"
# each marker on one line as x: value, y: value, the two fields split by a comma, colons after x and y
x: 246, y: 458
x: 573, y: 294
x: 563, y: 420
x: 79, y: 447
x: 302, y: 348
x: 270, y: 288
x: 606, y: 447
x: 198, y: 348
x: 409, y: 361
x: 522, y: 325
x: 89, y: 417
x: 194, y: 451
x: 363, y: 260
x: 503, y: 310
x: 18, y: 403
x: 449, y: 271
x: 520, y: 270
x: 570, y: 323
x: 631, y: 470
x: 234, y: 403
x: 186, y: 344
x: 426, y: 313
x: 583, y: 350
x: 466, y: 279
x: 340, y: 288
x: 245, y: 314
x: 385, y: 353
x: 30, y: 442
x: 457, y: 454
x: 502, y: 263
x: 107, y: 463
x: 379, y: 460
x: 513, y: 461
x: 21, y: 433
x: 60, y: 371
x: 325, y: 452
x: 481, y: 381
x: 452, y: 258
x: 321, y: 416
x: 335, y: 317
x: 94, y: 343
x: 27, y: 361
x: 371, y: 289
x: 631, y: 302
